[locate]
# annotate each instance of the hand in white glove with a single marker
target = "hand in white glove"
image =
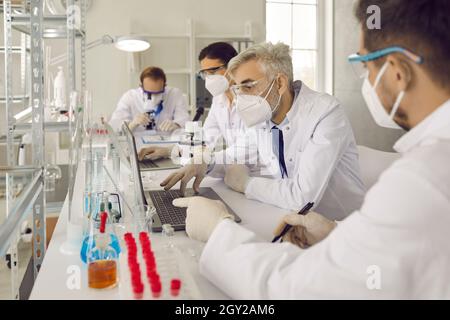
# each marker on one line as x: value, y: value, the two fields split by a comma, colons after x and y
x: 154, y: 153
x: 168, y: 125
x: 184, y: 175
x: 237, y: 177
x: 306, y: 230
x: 140, y: 120
x: 196, y: 167
x: 202, y: 216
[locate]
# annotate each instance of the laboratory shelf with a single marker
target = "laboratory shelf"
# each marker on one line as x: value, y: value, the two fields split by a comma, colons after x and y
x: 54, y: 26
x: 14, y: 49
x: 16, y: 99
x: 18, y: 212
x: 50, y: 33
x: 48, y: 127
x: 25, y: 19
x: 34, y: 26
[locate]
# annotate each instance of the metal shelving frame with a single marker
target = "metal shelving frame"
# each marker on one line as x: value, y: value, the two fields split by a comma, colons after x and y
x: 33, y: 25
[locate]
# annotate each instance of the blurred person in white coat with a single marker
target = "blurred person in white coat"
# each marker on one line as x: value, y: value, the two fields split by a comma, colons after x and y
x: 300, y: 139
x: 223, y: 119
x: 396, y: 245
x: 153, y: 100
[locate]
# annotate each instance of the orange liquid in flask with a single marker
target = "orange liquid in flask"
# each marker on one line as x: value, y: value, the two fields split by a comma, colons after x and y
x: 102, y: 274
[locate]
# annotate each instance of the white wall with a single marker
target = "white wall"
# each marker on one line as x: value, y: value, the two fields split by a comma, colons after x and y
x: 108, y: 71
x: 347, y: 87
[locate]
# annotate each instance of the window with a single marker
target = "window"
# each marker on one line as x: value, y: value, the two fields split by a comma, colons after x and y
x: 295, y: 23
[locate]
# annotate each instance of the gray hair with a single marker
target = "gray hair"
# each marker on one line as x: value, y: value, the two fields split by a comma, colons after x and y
x: 274, y: 59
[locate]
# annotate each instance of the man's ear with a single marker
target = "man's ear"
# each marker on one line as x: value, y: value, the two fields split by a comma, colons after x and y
x: 403, y: 72
x: 282, y: 83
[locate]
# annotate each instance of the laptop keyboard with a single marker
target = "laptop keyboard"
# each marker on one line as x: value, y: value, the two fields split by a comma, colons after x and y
x: 147, y: 163
x: 168, y: 214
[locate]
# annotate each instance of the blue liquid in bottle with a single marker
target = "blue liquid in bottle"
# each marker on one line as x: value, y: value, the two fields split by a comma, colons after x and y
x: 89, y: 244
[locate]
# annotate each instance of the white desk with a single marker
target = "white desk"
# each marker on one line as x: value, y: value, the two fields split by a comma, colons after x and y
x: 53, y: 276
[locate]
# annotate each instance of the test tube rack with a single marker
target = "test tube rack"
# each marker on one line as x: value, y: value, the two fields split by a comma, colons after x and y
x: 149, y: 272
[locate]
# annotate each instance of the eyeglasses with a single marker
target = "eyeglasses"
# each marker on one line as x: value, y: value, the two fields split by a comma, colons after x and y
x: 149, y: 94
x: 210, y: 71
x: 361, y: 69
x: 153, y: 92
x: 248, y: 88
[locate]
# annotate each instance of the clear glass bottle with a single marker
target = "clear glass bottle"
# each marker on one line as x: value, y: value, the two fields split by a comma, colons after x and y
x: 169, y: 261
x: 114, y: 214
x: 102, y: 259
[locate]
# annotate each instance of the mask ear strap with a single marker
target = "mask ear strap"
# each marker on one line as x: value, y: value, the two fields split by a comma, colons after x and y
x: 270, y: 89
x: 380, y: 74
x: 278, y: 105
x: 397, y: 104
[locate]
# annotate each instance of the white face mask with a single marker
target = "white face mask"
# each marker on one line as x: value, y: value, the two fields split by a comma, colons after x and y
x: 151, y: 104
x: 156, y: 98
x: 254, y: 110
x: 216, y: 84
x: 379, y: 113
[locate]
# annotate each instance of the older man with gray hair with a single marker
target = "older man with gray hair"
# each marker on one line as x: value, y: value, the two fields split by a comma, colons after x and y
x: 303, y: 139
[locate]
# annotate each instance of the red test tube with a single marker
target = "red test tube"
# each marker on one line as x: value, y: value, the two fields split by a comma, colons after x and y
x: 156, y: 289
x: 138, y: 290
x: 175, y: 286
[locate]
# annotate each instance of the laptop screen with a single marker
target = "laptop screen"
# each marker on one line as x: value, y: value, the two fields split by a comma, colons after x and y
x: 139, y: 189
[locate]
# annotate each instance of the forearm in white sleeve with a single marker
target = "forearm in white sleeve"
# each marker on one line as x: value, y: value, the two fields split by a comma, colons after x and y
x: 382, y: 251
x: 317, y: 164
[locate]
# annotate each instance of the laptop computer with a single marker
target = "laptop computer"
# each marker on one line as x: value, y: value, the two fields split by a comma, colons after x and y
x: 166, y: 213
x: 147, y: 164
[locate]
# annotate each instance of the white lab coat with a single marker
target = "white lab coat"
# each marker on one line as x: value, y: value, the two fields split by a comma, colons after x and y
x: 395, y: 247
x: 320, y: 154
x: 134, y: 101
x: 222, y: 121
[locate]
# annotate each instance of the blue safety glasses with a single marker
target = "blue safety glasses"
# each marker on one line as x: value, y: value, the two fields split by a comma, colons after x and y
x: 150, y: 93
x: 153, y: 92
x: 361, y: 70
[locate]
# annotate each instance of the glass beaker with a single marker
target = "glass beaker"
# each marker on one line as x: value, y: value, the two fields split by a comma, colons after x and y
x: 52, y: 174
x: 143, y: 218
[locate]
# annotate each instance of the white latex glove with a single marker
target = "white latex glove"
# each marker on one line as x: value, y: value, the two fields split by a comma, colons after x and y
x: 202, y: 216
x: 237, y: 177
x: 154, y: 153
x: 168, y: 125
x: 184, y: 175
x: 140, y: 120
x: 306, y: 230
x: 196, y: 167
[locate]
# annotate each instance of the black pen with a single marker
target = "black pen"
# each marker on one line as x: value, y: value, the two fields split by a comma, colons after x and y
x: 302, y: 212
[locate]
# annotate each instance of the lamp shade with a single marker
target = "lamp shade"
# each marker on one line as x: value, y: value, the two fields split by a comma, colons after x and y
x: 132, y: 43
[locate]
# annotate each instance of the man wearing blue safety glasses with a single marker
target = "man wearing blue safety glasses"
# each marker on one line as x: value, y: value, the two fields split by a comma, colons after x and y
x: 370, y: 64
x: 152, y: 106
x: 396, y: 246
